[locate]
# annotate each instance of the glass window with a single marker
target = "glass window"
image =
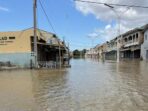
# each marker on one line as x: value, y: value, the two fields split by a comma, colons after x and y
x: 11, y: 38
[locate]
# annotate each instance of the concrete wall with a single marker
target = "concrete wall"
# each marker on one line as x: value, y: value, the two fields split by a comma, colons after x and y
x: 22, y: 41
x: 22, y: 60
x: 18, y: 50
x: 20, y: 44
x: 144, y: 47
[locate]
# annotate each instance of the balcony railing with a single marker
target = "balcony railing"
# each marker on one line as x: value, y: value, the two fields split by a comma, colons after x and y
x: 48, y: 64
x: 130, y: 43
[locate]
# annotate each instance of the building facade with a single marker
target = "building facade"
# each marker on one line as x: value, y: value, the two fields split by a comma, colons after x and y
x: 18, y: 47
x: 144, y: 47
x: 111, y: 51
x: 92, y: 53
x: 133, y: 44
x: 102, y: 50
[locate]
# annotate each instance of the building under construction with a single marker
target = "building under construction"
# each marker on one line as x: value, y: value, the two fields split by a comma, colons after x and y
x: 17, y: 48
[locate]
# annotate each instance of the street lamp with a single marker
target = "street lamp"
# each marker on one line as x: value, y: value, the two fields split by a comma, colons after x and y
x: 118, y: 21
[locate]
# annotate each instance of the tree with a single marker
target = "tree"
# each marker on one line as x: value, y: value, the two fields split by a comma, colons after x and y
x: 76, y: 53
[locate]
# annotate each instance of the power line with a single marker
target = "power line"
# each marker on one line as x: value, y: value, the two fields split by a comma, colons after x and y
x: 79, y: 45
x: 122, y: 5
x: 47, y: 17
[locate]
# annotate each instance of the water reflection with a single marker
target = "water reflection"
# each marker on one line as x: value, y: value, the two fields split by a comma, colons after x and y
x: 89, y: 85
x: 51, y: 90
x: 16, y: 91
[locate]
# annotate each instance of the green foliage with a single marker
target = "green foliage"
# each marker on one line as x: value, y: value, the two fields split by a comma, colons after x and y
x: 77, y: 53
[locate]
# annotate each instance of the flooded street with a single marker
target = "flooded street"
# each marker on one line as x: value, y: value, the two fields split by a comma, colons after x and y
x: 89, y: 85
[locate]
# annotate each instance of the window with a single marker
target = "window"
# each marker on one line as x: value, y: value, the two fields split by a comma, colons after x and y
x: 136, y: 35
x: 130, y: 38
x: 125, y: 39
x: 32, y: 38
x: 11, y: 38
x: 147, y: 54
x: 145, y: 36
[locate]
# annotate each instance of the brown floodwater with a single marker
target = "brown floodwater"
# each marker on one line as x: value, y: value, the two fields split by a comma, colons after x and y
x: 89, y: 85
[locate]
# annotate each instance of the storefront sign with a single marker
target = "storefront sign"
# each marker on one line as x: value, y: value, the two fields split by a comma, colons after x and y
x: 5, y: 40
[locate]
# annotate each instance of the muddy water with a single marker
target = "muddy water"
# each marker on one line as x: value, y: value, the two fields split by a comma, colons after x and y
x: 89, y: 85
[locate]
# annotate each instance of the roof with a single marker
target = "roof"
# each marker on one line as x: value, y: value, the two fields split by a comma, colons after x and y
x: 145, y: 27
x: 31, y: 28
x: 142, y: 28
x: 48, y: 37
x: 132, y: 31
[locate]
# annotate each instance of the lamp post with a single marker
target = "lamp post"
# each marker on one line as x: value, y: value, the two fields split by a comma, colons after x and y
x: 119, y: 28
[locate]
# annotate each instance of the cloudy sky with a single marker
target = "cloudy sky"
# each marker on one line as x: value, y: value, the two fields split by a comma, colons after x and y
x: 129, y: 17
x: 81, y: 24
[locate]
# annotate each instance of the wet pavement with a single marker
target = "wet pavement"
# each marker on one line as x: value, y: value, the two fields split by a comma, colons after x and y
x: 89, y: 85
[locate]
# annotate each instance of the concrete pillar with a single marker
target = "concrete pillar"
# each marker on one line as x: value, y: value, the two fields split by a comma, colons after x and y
x: 118, y: 51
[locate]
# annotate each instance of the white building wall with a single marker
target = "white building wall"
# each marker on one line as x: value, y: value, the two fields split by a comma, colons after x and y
x: 144, y: 47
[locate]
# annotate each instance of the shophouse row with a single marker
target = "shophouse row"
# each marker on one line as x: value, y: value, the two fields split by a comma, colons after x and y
x: 133, y: 44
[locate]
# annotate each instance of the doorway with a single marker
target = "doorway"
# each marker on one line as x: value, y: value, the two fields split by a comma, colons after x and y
x: 146, y: 54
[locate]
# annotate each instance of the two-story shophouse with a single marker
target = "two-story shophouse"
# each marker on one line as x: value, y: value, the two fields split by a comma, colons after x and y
x: 131, y: 43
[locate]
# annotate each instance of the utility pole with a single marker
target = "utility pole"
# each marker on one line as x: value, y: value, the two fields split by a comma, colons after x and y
x: 60, y: 58
x: 35, y: 33
x: 68, y: 54
x: 119, y: 28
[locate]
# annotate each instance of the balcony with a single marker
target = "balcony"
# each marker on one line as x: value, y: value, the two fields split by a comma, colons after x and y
x: 131, y: 43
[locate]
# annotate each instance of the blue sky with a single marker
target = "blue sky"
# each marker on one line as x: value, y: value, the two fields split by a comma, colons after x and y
x: 72, y: 21
x: 67, y: 21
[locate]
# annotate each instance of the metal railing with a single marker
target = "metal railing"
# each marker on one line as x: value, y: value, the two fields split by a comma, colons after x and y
x: 48, y: 64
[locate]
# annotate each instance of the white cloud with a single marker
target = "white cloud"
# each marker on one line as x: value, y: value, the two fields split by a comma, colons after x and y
x: 93, y: 35
x: 108, y: 26
x: 4, y: 9
x: 130, y: 18
x: 108, y: 32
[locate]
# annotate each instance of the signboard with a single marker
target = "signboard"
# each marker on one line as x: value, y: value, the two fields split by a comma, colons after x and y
x: 5, y: 40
